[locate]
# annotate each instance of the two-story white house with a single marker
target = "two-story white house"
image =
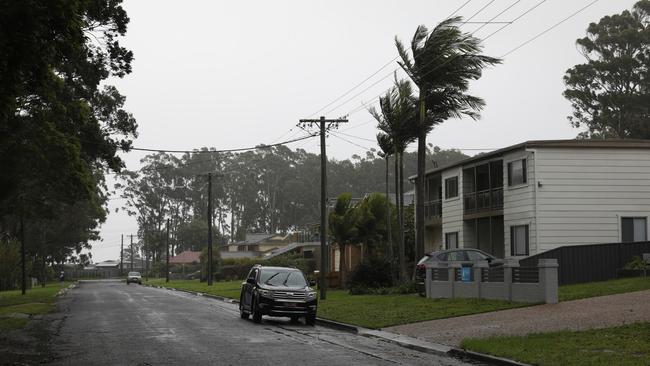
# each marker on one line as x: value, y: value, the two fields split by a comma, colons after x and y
x: 538, y: 195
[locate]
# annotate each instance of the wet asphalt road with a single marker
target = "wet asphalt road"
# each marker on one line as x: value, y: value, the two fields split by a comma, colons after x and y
x: 110, y: 323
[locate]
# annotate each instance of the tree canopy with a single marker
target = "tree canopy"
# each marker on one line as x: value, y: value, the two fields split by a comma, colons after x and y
x: 610, y: 93
x: 60, y: 126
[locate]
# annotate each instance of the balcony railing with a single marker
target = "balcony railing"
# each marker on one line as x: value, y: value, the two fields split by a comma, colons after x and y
x: 433, y: 209
x: 481, y: 201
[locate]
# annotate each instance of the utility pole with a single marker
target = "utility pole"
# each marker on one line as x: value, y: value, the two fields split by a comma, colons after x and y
x: 122, y: 255
x: 209, y: 229
x: 167, y: 245
x: 324, y: 125
x: 23, y: 284
x: 131, y: 236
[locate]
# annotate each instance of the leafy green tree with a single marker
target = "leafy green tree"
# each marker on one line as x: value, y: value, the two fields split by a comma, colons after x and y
x: 610, y: 93
x: 444, y: 61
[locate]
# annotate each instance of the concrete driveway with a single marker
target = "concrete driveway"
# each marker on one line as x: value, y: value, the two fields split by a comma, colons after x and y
x: 595, y: 312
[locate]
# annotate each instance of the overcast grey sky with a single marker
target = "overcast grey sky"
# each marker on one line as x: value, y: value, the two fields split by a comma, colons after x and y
x: 230, y: 74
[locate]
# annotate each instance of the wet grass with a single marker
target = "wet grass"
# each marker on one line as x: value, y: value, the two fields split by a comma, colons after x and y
x: 592, y: 289
x: 624, y: 345
x: 38, y: 300
x: 230, y: 289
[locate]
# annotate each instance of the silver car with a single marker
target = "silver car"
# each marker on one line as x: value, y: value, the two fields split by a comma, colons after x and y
x: 134, y: 277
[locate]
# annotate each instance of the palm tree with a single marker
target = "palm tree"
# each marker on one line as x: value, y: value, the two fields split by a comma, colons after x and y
x: 387, y: 149
x: 343, y: 228
x: 444, y: 61
x: 397, y: 120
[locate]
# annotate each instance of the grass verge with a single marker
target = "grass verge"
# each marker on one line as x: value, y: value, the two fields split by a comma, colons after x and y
x: 16, y: 308
x: 592, y: 289
x: 624, y: 345
x: 370, y: 311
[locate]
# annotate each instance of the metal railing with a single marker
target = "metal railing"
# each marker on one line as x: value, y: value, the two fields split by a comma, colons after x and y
x: 433, y: 209
x: 486, y: 200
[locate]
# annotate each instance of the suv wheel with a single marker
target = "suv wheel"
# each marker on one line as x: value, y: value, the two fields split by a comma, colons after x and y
x: 257, y: 315
x: 310, y: 319
x: 242, y: 313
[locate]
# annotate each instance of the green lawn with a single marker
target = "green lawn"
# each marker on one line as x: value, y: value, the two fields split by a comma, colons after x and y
x: 584, y: 290
x: 624, y: 345
x: 38, y: 300
x: 371, y: 311
x: 229, y: 289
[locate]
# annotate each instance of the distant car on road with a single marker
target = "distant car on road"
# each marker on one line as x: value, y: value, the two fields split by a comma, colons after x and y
x: 134, y: 277
x: 467, y: 255
x: 277, y: 291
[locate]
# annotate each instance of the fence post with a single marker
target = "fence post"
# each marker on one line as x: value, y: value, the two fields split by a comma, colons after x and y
x: 427, y: 282
x: 508, y: 265
x: 478, y: 275
x: 548, y: 279
x: 452, y: 277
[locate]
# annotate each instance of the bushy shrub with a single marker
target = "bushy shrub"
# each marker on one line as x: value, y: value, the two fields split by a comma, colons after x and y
x: 637, y: 263
x: 371, y: 273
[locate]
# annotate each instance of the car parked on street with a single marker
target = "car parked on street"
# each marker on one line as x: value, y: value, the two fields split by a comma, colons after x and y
x: 465, y: 255
x: 277, y: 291
x: 134, y: 277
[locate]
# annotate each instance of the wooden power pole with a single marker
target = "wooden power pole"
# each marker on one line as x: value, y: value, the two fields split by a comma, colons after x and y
x: 122, y: 256
x: 167, y: 245
x: 324, y: 125
x: 209, y: 229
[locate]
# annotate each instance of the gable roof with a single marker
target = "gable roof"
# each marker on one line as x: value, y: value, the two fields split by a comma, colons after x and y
x: 587, y: 143
x: 186, y: 257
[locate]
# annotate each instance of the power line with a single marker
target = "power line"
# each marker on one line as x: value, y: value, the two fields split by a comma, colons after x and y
x: 349, y: 142
x: 378, y: 70
x: 550, y: 28
x: 396, y: 69
x: 357, y: 109
x: 261, y: 146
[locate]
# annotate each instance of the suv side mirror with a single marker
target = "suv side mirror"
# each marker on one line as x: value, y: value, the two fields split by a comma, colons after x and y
x: 312, y: 283
x: 250, y: 280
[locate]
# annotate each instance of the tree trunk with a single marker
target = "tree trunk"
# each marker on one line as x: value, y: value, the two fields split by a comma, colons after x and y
x: 343, y: 271
x: 419, y: 183
x: 400, y: 242
x: 389, y: 242
x: 401, y: 216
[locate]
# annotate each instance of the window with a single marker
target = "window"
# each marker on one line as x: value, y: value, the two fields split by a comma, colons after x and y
x: 473, y: 255
x: 634, y: 229
x: 457, y: 255
x: 451, y: 187
x: 451, y: 240
x: 517, y: 172
x: 253, y: 274
x: 519, y: 240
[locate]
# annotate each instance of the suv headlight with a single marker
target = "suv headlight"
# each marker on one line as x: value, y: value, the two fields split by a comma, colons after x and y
x: 265, y: 293
x: 311, y: 295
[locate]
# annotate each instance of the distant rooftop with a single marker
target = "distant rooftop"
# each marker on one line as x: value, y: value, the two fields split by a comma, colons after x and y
x: 186, y: 257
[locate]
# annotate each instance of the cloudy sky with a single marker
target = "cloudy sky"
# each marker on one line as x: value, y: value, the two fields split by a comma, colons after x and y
x: 231, y: 74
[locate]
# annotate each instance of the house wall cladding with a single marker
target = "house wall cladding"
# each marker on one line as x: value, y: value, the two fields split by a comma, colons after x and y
x: 583, y: 194
x: 452, y: 209
x: 519, y: 201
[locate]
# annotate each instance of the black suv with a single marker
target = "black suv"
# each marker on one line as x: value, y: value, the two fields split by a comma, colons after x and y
x: 277, y: 291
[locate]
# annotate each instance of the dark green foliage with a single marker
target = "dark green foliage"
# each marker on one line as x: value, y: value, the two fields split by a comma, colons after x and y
x: 59, y: 130
x: 610, y: 93
x: 406, y: 288
x: 373, y: 272
x: 637, y: 263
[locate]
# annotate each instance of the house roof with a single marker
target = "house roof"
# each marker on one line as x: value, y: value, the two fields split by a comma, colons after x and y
x: 570, y: 144
x: 290, y: 247
x: 186, y: 257
x: 108, y: 263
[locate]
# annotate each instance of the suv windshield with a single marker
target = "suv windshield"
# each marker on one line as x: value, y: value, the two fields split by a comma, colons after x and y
x: 134, y: 273
x: 279, y: 277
